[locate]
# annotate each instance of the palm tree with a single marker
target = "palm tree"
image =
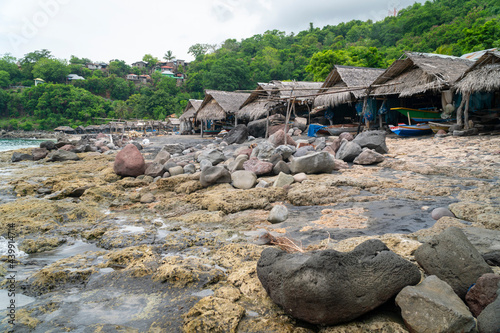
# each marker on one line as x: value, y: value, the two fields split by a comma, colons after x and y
x: 169, y: 56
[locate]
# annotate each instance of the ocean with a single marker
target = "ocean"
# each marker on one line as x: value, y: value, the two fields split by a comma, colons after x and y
x: 11, y: 144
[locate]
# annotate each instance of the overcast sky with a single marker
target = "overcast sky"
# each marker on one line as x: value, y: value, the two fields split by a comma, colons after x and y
x: 125, y: 29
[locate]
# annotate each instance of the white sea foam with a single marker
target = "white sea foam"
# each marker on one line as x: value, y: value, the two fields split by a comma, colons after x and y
x: 4, y: 248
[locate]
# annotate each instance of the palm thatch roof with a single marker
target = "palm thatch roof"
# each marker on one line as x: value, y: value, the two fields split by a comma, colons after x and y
x: 342, y: 77
x: 484, y: 75
x: 301, y: 91
x: 268, y: 95
x: 416, y: 73
x: 191, y: 108
x: 218, y: 104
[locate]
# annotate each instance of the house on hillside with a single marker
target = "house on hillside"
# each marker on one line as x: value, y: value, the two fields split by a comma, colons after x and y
x: 217, y: 111
x: 343, y: 88
x: 74, y: 77
x: 132, y: 77
x: 479, y: 88
x: 187, y: 118
x: 140, y: 64
x: 418, y: 81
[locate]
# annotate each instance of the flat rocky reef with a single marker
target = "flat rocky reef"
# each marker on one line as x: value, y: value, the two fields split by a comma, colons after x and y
x: 100, y: 252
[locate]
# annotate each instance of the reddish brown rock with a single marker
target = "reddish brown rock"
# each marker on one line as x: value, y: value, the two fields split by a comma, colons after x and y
x: 129, y: 162
x: 278, y: 139
x: 67, y: 147
x: 257, y: 166
x: 346, y: 135
x: 39, y: 153
x: 482, y: 293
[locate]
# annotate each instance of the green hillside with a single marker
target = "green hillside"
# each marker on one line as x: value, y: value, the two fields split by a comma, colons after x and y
x: 452, y: 27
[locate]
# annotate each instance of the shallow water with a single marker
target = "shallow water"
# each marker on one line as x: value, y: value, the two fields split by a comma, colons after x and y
x: 12, y: 144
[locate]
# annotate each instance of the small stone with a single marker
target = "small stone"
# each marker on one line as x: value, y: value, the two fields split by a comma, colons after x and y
x: 189, y: 168
x: 243, y: 179
x: 439, y: 212
x: 283, y: 179
x: 278, y: 214
x: 147, y: 198
x: 300, y: 177
x: 176, y: 170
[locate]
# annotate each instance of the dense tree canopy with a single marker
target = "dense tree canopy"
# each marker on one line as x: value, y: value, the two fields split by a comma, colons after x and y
x: 452, y: 27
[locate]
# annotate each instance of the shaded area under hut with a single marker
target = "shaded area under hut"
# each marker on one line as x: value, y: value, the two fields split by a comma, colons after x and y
x: 217, y: 111
x: 479, y: 87
x: 343, y: 90
x: 188, y: 117
x: 418, y: 81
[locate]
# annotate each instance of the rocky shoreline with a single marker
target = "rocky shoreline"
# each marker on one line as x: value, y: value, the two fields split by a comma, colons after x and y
x: 182, y: 241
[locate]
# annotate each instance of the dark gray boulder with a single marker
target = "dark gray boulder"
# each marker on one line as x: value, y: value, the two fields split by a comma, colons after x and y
x: 154, y: 169
x: 214, y: 175
x: 489, y: 319
x: 257, y: 128
x: 49, y: 145
x: 18, y: 157
x: 452, y: 258
x: 238, y: 135
x: 432, y: 306
x: 329, y: 287
x: 215, y: 156
x: 62, y: 155
x: 373, y: 140
x: 348, y: 151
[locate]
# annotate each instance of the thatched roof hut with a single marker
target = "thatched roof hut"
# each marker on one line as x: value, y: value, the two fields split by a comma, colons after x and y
x: 190, y: 110
x: 268, y: 96
x: 217, y: 105
x: 483, y: 76
x: 343, y: 77
x: 65, y: 129
x: 416, y: 73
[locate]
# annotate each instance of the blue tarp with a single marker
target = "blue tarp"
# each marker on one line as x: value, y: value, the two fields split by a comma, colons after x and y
x: 313, y: 129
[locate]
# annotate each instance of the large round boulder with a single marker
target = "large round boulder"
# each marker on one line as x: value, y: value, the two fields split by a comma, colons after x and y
x: 320, y: 162
x: 329, y: 287
x: 214, y: 175
x: 238, y: 135
x: 129, y: 162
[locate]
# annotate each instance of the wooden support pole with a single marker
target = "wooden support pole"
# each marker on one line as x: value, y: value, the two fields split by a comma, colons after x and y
x: 466, y: 112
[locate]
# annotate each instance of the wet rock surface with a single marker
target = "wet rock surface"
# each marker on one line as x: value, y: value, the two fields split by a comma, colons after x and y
x: 98, y: 259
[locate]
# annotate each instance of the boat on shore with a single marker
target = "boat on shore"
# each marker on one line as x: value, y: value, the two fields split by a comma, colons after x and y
x: 420, y: 115
x: 336, y: 130
x: 445, y: 126
x: 411, y: 130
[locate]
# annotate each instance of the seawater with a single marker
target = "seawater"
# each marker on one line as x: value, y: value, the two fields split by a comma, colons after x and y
x: 11, y: 144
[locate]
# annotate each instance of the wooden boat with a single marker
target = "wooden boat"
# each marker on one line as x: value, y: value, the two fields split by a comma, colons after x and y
x: 411, y: 130
x: 435, y: 127
x: 420, y: 115
x: 336, y: 130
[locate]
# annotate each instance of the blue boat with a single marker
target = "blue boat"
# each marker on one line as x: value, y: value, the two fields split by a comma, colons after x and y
x: 411, y: 130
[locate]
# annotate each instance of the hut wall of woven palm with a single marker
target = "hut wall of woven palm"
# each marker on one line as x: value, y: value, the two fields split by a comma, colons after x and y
x: 483, y: 76
x: 218, y: 105
x: 420, y: 72
x: 346, y: 77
